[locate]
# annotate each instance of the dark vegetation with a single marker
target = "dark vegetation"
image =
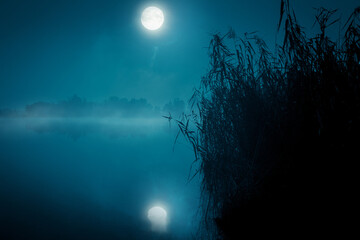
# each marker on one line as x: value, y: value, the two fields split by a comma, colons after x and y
x: 276, y: 136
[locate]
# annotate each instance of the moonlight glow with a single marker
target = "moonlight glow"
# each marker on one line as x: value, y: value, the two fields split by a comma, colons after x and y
x: 157, y: 216
x: 152, y: 18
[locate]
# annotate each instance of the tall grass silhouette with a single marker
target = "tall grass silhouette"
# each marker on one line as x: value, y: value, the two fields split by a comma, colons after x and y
x: 275, y: 134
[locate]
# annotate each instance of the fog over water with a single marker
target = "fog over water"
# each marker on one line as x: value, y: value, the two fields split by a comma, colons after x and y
x: 90, y: 177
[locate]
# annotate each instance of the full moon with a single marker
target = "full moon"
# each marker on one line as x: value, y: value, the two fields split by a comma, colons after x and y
x: 158, y: 218
x: 152, y: 18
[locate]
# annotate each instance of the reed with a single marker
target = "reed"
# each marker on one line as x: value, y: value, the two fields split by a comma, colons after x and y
x: 275, y: 134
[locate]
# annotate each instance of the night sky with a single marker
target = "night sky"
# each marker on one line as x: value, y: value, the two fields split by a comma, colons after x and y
x: 68, y: 177
x: 50, y: 50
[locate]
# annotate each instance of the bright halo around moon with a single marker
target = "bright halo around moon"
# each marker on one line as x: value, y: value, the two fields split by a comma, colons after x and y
x: 152, y: 18
x: 158, y: 218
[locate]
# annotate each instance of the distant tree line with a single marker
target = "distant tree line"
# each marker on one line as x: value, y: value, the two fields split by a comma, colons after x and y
x: 80, y: 107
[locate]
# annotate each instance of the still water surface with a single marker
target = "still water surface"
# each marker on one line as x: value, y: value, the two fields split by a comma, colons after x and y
x: 91, y: 178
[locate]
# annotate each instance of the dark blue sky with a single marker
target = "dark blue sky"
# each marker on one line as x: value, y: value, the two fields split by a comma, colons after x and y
x: 50, y: 50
